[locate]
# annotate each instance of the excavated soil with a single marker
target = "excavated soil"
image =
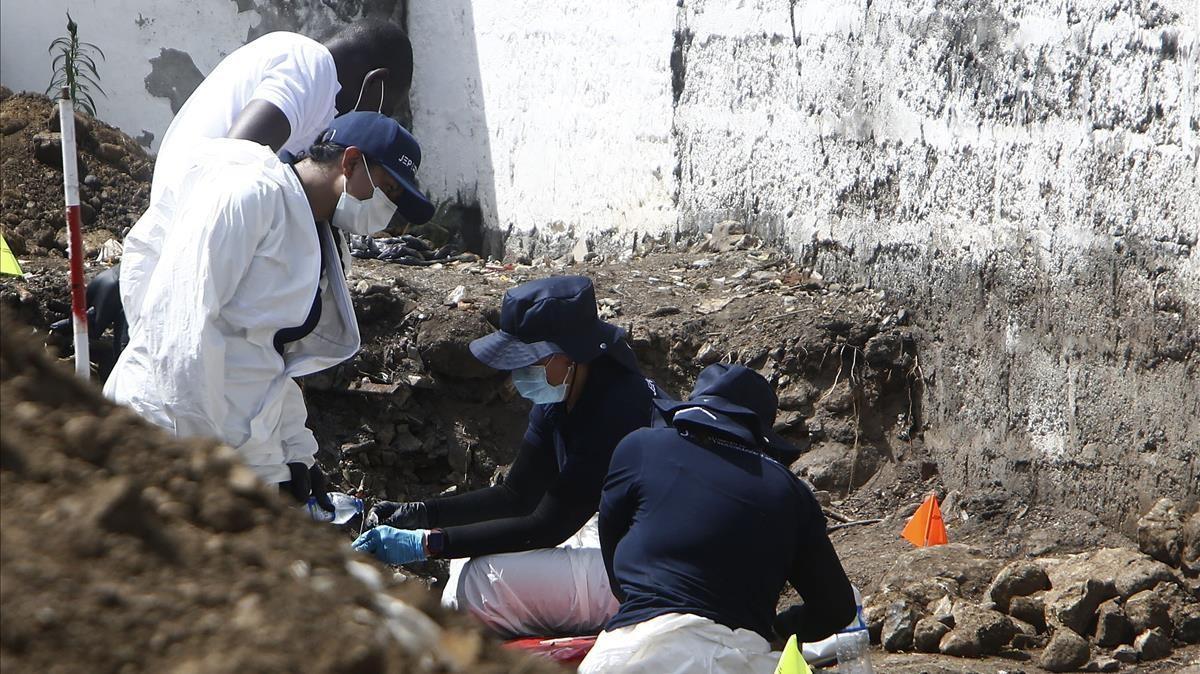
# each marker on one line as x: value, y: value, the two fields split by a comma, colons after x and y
x: 124, y: 549
x: 114, y: 174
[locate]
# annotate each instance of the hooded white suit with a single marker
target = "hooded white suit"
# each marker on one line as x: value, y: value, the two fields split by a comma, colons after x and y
x: 225, y: 259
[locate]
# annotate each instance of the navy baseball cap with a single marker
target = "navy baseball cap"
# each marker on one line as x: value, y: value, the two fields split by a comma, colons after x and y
x: 737, y: 392
x: 390, y: 145
x: 548, y: 316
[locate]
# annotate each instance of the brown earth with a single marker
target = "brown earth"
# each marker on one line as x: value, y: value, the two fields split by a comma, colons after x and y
x: 413, y: 415
x: 125, y: 550
x: 114, y: 174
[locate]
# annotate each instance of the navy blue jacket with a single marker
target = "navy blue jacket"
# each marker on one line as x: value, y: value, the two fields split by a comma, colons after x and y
x: 553, y: 486
x: 715, y: 528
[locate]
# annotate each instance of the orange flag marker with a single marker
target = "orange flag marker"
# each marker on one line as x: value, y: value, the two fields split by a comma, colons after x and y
x: 926, y: 527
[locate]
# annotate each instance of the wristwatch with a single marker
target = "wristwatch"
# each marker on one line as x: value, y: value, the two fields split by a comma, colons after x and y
x: 435, y: 543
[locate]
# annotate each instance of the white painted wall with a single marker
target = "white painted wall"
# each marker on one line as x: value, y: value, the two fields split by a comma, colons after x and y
x: 130, y: 32
x: 557, y: 115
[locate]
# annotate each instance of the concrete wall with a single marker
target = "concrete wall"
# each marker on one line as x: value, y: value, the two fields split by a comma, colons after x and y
x: 554, y: 117
x: 1024, y: 174
x: 157, y: 51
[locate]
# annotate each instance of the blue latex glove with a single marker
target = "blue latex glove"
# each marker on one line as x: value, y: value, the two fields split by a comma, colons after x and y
x: 393, y: 546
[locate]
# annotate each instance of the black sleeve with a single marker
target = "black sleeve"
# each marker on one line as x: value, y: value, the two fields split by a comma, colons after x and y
x: 559, y: 514
x: 821, y: 582
x: 530, y: 475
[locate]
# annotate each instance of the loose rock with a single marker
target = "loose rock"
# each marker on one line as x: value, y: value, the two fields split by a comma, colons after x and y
x: 1146, y: 610
x: 1160, y: 533
x: 1102, y: 664
x: 1029, y: 609
x: 981, y: 630
x: 898, y: 626
x: 1152, y: 645
x: 1074, y: 604
x: 1066, y: 652
x: 924, y: 574
x: 1184, y: 609
x: 1125, y: 653
x: 927, y: 635
x: 1018, y: 579
x: 1112, y: 627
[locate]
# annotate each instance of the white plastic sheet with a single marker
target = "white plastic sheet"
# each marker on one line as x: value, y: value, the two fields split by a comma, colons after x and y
x: 553, y: 592
x: 680, y: 643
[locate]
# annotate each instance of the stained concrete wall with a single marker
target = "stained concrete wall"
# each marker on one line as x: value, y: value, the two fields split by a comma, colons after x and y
x: 1024, y: 174
x: 158, y: 51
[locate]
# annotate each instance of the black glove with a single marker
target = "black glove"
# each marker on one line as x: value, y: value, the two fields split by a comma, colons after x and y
x: 307, y: 482
x: 411, y: 515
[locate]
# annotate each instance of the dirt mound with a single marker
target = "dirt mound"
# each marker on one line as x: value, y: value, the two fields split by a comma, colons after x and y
x: 124, y: 550
x: 114, y: 174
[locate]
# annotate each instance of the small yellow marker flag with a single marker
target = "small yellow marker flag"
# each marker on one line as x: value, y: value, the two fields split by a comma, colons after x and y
x: 8, y: 261
x: 792, y: 661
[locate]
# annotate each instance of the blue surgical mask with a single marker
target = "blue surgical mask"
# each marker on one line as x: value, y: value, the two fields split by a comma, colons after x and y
x: 532, y: 384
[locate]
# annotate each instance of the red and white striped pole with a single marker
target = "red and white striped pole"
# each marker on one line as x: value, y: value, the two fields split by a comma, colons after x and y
x: 66, y: 116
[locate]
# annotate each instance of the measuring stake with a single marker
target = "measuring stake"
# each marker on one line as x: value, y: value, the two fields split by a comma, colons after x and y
x: 66, y: 117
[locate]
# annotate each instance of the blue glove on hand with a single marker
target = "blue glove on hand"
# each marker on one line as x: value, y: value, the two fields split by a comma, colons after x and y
x: 393, y: 546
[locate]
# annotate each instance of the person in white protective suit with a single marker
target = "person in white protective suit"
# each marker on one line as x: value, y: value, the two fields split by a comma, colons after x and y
x: 280, y: 90
x: 248, y: 289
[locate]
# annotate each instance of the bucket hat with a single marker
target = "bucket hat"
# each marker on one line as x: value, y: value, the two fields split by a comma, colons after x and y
x: 549, y: 316
x: 744, y: 399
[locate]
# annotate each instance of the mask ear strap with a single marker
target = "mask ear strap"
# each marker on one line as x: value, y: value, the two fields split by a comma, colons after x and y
x: 368, y: 168
x: 361, y: 89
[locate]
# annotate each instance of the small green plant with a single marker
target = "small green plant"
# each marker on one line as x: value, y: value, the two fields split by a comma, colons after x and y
x: 75, y: 68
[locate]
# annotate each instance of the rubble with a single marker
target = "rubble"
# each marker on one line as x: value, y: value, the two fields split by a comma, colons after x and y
x: 928, y: 633
x: 1147, y: 610
x: 898, y: 627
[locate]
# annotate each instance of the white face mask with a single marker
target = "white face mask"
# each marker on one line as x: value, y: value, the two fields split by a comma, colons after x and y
x: 363, y: 217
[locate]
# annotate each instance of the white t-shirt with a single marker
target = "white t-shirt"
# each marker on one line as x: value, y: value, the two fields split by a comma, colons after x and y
x: 292, y: 72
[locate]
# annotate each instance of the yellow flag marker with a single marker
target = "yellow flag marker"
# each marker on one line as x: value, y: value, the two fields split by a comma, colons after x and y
x: 926, y: 527
x: 8, y: 261
x: 792, y: 661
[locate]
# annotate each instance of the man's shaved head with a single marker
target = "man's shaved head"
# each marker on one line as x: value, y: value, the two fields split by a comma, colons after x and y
x: 363, y: 48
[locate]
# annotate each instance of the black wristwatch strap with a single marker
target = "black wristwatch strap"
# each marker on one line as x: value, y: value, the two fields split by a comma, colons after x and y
x: 435, y: 542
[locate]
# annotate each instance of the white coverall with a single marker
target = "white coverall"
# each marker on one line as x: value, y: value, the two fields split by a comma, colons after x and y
x: 236, y: 257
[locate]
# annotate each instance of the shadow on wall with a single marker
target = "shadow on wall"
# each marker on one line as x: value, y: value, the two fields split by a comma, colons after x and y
x: 450, y: 121
x: 174, y: 74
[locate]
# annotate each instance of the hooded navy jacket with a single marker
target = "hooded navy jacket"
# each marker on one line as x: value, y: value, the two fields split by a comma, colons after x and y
x: 704, y: 523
